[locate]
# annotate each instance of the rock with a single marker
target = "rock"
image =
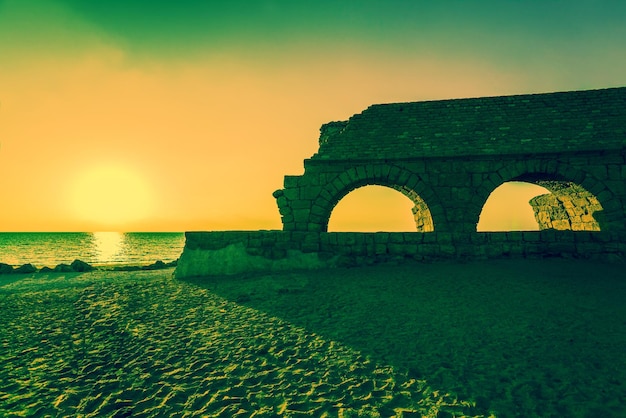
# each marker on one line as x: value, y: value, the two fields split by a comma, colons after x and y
x: 25, y: 269
x: 81, y: 266
x: 63, y: 268
x: 156, y: 266
x: 6, y: 268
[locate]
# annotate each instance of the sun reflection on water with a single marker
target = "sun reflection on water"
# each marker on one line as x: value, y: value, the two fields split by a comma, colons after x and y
x: 108, y: 245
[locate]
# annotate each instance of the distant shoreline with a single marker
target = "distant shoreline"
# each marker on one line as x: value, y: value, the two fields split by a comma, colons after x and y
x: 101, y: 250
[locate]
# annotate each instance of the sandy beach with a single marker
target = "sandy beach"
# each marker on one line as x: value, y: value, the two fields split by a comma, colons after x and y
x: 506, y: 338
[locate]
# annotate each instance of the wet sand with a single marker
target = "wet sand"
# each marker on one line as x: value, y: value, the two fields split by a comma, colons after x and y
x: 505, y: 338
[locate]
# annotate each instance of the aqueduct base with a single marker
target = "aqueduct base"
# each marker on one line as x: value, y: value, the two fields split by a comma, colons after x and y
x: 232, y: 252
x: 447, y: 157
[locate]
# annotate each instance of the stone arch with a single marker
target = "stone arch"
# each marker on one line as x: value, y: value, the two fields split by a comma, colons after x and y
x: 398, y: 178
x: 578, y: 198
x: 421, y: 220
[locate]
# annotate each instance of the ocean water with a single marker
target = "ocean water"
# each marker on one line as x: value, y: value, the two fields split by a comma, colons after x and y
x: 96, y: 248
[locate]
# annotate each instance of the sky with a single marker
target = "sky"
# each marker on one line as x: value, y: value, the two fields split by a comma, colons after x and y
x: 182, y: 115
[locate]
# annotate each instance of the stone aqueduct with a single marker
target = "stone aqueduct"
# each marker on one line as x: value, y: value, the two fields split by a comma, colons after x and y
x: 448, y: 156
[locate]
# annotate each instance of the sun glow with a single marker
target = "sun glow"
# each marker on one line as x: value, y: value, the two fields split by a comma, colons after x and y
x: 111, y: 196
x: 108, y: 245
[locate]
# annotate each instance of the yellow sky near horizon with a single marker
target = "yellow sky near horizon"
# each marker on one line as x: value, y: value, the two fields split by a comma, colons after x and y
x: 110, y: 125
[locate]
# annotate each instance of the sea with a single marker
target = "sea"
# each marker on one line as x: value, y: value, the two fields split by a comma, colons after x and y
x: 96, y: 248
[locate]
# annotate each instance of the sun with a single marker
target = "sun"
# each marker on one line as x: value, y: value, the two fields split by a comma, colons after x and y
x: 111, y: 195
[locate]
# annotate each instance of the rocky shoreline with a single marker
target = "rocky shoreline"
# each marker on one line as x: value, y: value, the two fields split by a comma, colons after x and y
x: 79, y: 266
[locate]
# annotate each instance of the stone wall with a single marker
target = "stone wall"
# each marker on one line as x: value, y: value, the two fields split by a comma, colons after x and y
x: 231, y: 252
x: 447, y: 156
x: 568, y: 207
x: 450, y: 193
x: 530, y: 123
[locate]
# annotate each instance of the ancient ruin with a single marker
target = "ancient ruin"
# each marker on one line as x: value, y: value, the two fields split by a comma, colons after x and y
x: 447, y: 156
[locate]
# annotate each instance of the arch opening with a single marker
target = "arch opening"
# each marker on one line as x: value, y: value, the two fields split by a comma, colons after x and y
x: 376, y: 208
x: 533, y: 202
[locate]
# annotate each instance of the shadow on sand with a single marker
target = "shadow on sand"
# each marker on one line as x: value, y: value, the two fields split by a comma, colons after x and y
x: 512, y: 337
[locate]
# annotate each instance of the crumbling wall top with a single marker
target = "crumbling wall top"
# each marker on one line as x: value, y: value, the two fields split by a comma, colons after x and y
x: 531, y: 123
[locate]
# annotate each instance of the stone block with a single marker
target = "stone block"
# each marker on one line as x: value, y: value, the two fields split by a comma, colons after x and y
x: 496, y: 179
x: 396, y: 237
x: 381, y: 237
x: 397, y: 249
x: 310, y: 193
x: 298, y: 236
x: 413, y: 237
x: 380, y: 249
x: 532, y: 249
x: 588, y: 249
x: 315, y: 226
x: 310, y: 247
x: 255, y: 241
x: 394, y: 173
x: 447, y: 249
x: 566, y: 236
x: 326, y: 196
x: 466, y: 250
x: 479, y: 238
x: 301, y: 216
x: 403, y: 176
x: 291, y: 182
x: 361, y: 173
x: 289, y: 194
x: 319, y: 211
x: 360, y: 238
x: 300, y: 204
x: 552, y: 167
x: 561, y: 248
x: 531, y: 236
x: 346, y: 239
x: 344, y: 180
x: 614, y: 172
x: 430, y: 237
x: 601, y: 237
x: 561, y: 224
x: 548, y: 235
x: 382, y: 171
x: 268, y: 241
x: 353, y: 174
x: 494, y: 250
x: 444, y: 237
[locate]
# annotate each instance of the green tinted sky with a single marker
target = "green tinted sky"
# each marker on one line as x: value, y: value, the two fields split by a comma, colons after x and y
x: 504, y: 31
x: 207, y: 104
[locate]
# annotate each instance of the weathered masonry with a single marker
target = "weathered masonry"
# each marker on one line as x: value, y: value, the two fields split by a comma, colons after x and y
x: 447, y: 156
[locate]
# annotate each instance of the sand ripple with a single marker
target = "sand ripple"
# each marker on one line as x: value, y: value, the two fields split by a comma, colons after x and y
x: 519, y: 338
x: 142, y: 344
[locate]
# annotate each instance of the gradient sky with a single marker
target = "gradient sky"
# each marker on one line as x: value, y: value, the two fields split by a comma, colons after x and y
x: 186, y: 115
